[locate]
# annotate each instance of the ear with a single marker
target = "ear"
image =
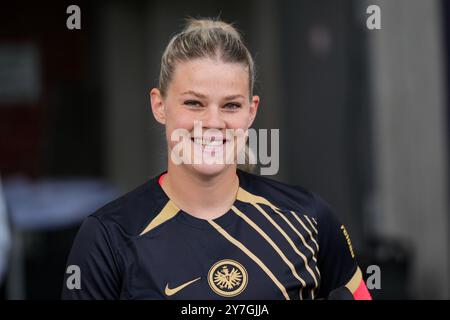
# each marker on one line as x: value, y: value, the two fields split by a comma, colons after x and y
x: 158, y: 107
x: 253, y: 109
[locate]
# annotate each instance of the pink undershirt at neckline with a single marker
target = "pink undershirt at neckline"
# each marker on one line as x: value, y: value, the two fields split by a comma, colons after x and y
x: 161, y: 178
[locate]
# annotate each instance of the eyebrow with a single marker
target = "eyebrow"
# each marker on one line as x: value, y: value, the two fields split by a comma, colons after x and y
x: 194, y: 94
x: 202, y: 96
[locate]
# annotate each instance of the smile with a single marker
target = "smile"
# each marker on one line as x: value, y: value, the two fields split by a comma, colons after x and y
x: 210, y: 142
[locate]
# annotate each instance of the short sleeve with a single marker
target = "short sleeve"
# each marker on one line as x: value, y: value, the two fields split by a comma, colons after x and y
x: 93, y: 256
x: 336, y: 259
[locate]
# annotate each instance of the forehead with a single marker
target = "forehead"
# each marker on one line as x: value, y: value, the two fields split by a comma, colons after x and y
x: 210, y: 77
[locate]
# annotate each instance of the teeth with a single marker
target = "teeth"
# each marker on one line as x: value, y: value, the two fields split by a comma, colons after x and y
x: 207, y: 142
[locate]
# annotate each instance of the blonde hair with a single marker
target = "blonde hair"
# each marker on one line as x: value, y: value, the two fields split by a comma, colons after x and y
x: 205, y: 38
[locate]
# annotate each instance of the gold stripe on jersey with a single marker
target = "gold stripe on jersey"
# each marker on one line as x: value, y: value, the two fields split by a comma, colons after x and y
x: 252, y: 256
x: 306, y: 229
x: 354, y: 282
x: 309, y: 220
x: 168, y: 212
x: 248, y: 197
x: 305, y: 260
x: 303, y: 241
x: 245, y: 196
x: 274, y: 246
x: 296, y: 231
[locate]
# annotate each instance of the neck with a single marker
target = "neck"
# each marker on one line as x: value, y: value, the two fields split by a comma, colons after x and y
x: 204, y: 197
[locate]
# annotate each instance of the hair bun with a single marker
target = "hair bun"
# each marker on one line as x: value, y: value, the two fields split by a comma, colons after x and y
x: 204, y: 25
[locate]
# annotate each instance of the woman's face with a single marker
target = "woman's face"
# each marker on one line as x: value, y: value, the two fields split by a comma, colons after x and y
x: 206, y: 111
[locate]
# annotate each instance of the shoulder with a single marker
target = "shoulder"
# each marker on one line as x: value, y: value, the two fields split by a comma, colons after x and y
x: 131, y: 212
x: 283, y: 195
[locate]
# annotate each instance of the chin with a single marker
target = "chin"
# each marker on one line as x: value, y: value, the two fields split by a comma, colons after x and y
x: 210, y: 169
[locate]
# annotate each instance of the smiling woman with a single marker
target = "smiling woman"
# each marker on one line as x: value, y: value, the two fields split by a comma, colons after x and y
x: 205, y: 229
x: 222, y: 104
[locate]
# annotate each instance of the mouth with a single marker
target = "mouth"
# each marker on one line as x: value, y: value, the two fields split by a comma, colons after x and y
x: 210, y: 142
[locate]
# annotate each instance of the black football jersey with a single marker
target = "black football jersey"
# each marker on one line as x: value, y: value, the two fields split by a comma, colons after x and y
x: 276, y: 242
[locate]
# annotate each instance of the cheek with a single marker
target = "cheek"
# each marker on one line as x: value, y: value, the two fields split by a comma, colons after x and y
x: 239, y: 121
x: 182, y: 121
x: 178, y: 120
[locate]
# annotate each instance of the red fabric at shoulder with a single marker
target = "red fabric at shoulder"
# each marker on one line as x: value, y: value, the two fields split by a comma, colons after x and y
x: 357, y: 286
x: 362, y: 293
x: 161, y: 178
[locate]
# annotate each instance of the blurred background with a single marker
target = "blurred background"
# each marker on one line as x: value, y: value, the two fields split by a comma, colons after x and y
x: 363, y: 114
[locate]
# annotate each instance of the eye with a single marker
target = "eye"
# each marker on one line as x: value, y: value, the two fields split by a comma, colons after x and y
x: 192, y: 103
x: 232, y: 106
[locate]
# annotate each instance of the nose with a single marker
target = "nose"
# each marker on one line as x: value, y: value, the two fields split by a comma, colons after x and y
x: 212, y: 118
